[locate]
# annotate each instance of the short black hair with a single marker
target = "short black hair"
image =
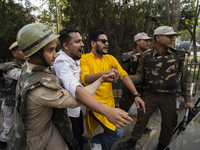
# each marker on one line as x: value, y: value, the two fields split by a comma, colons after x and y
x: 95, y: 35
x: 64, y: 34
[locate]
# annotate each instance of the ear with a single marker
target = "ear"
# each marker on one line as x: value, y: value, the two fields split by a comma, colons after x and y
x: 65, y: 45
x: 137, y: 42
x: 157, y: 37
x: 13, y: 52
x: 93, y: 43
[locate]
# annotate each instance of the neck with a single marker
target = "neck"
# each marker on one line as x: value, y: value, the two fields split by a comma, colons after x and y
x: 140, y: 50
x: 96, y: 54
x: 35, y: 61
x: 161, y: 49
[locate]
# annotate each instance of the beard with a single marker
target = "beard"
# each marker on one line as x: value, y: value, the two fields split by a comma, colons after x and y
x: 99, y: 50
x: 76, y: 57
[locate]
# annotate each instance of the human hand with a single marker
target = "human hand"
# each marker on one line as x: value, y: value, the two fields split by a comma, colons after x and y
x: 189, y: 105
x: 107, y: 77
x: 118, y: 117
x: 140, y: 104
x: 116, y: 75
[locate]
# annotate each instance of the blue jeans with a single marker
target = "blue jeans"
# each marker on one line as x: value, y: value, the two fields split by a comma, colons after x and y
x: 108, y: 137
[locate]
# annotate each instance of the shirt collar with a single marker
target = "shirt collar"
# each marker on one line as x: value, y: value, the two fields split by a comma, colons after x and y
x: 68, y: 58
x: 91, y: 53
x: 156, y: 52
x: 29, y: 66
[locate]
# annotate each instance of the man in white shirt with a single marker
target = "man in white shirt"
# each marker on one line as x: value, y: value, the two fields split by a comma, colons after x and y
x: 67, y: 69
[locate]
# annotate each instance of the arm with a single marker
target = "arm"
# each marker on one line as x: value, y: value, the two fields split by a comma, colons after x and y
x: 138, y: 78
x: 116, y: 116
x: 129, y: 84
x: 90, y: 78
x: 92, y: 88
x: 185, y: 88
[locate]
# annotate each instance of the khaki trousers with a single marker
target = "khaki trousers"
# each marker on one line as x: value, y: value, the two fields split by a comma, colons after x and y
x: 167, y: 105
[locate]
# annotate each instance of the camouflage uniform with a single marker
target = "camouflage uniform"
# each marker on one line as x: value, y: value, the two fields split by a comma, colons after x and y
x: 130, y: 61
x: 9, y: 72
x: 163, y: 76
x: 41, y: 78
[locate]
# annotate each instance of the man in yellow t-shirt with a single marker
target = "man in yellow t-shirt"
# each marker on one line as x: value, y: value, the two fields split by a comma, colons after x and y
x: 93, y: 65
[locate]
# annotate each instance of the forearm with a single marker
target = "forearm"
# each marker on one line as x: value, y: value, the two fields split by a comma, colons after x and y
x: 93, y: 87
x: 139, y: 76
x: 90, y: 78
x: 129, y: 84
x: 90, y: 102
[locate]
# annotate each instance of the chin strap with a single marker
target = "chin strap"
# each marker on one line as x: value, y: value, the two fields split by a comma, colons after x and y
x: 41, y: 52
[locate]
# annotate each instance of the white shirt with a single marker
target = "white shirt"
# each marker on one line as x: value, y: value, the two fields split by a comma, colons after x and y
x: 68, y: 71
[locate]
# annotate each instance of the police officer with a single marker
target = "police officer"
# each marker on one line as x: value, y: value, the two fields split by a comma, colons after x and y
x: 9, y: 74
x: 130, y: 61
x: 41, y: 121
x: 163, y: 72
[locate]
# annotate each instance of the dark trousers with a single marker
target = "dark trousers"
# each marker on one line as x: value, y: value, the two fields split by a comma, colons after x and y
x: 167, y: 105
x: 78, y: 130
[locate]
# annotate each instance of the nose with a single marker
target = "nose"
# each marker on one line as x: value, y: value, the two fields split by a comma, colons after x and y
x: 55, y: 54
x: 82, y: 44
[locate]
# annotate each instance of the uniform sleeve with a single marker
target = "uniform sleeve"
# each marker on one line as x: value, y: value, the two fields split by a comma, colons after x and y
x: 53, y: 98
x: 84, y: 68
x: 138, y: 78
x: 93, y: 87
x: 126, y: 65
x: 185, y: 84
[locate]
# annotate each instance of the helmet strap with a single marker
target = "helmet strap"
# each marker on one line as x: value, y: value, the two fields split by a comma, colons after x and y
x: 41, y: 55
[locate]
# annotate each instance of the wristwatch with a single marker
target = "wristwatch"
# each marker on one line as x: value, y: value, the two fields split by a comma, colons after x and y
x: 136, y: 95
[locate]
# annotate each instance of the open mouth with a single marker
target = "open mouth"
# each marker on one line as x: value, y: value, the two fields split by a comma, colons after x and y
x: 80, y: 51
x: 105, y: 48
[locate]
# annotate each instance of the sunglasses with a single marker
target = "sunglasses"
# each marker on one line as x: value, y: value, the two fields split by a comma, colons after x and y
x: 102, y: 40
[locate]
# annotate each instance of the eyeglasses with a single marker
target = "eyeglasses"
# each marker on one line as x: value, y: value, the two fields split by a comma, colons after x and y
x: 102, y: 40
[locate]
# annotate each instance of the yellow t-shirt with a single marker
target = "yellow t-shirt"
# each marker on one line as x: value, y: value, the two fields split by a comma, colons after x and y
x: 91, y: 65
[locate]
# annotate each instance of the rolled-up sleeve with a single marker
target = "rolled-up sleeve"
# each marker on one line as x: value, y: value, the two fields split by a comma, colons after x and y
x: 84, y: 68
x: 119, y: 68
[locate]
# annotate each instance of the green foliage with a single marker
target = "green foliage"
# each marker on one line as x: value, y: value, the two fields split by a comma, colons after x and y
x: 13, y: 17
x: 188, y: 9
x: 121, y: 21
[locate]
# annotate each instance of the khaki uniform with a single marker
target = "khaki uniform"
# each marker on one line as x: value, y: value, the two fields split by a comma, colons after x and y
x: 41, y: 100
x: 130, y: 61
x: 163, y: 76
